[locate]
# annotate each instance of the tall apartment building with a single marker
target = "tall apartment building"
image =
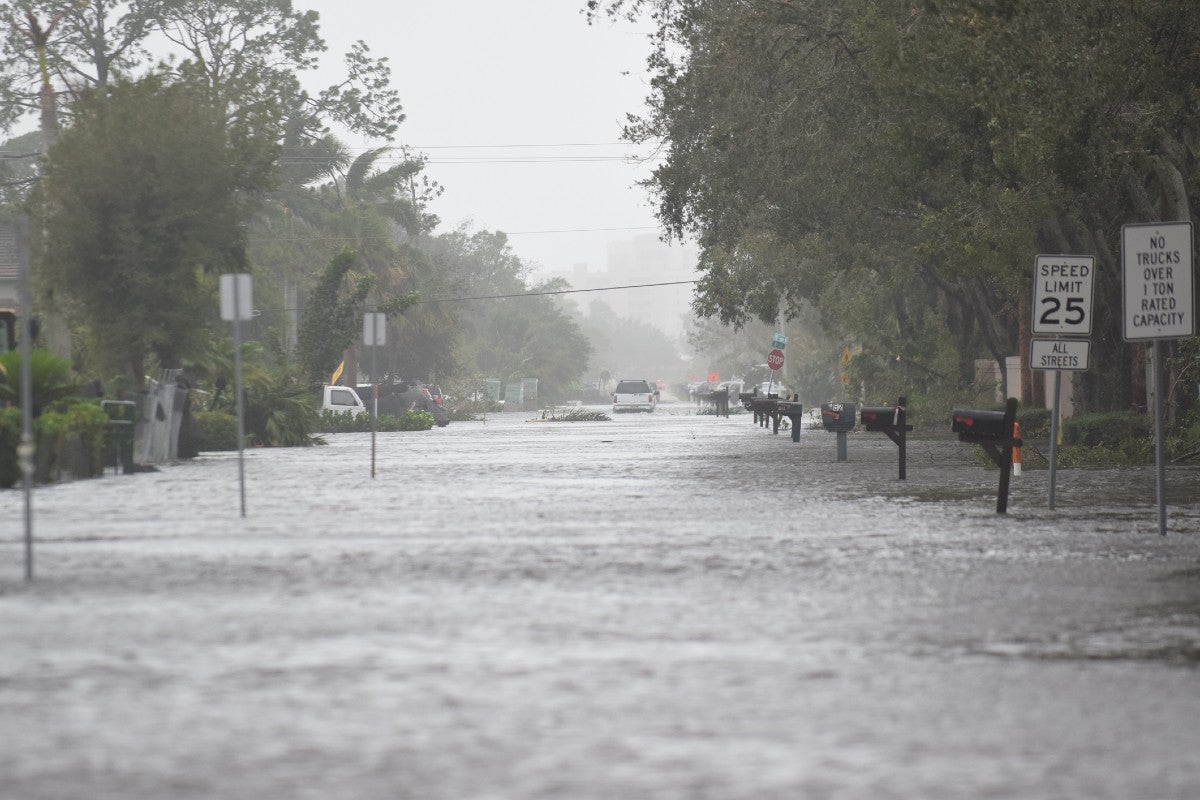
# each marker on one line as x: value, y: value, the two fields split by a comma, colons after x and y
x: 641, y: 260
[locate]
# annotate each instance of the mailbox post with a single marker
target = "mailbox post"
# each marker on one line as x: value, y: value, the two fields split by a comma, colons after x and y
x: 794, y: 411
x: 993, y: 431
x: 839, y: 418
x: 891, y: 421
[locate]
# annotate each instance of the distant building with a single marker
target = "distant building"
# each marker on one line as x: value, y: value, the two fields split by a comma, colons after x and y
x: 637, y: 262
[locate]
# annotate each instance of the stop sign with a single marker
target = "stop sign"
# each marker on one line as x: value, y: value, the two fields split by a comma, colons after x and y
x: 775, y: 359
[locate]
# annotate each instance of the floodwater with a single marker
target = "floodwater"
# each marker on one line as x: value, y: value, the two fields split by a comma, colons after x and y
x: 660, y: 606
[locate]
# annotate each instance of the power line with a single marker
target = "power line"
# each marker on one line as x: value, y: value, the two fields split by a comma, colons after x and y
x: 530, y: 294
x: 555, y: 291
x: 261, y: 239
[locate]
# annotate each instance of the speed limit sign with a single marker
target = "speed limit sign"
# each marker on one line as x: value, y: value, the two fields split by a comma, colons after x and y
x: 1062, y: 295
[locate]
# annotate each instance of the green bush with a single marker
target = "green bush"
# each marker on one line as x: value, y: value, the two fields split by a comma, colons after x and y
x: 344, y: 422
x: 215, y: 430
x: 50, y: 379
x: 279, y: 410
x: 69, y: 437
x: 408, y: 421
x: 347, y: 422
x: 1034, y: 422
x: 10, y: 437
x: 1113, y: 430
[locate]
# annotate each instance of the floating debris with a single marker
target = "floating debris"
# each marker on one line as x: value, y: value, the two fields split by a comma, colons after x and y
x: 572, y: 415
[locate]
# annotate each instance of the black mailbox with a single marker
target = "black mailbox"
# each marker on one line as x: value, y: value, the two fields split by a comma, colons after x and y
x: 838, y: 417
x: 981, y: 424
x: 880, y: 418
x: 892, y: 422
x: 993, y: 431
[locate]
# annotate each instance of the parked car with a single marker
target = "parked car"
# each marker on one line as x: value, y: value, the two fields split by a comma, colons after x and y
x: 634, y: 395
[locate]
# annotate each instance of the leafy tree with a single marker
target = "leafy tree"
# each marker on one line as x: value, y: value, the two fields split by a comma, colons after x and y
x: 899, y: 165
x: 504, y: 338
x: 142, y: 205
x: 329, y: 325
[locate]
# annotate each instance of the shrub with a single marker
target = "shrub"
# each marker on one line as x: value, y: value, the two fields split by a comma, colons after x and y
x: 347, y: 422
x: 1034, y: 422
x: 1111, y: 430
x: 215, y: 430
x: 69, y: 437
x: 344, y: 422
x: 10, y: 437
x: 408, y: 421
x: 50, y: 379
x: 279, y: 410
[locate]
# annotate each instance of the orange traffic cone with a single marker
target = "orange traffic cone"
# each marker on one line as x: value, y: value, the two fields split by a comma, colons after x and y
x: 1016, y: 451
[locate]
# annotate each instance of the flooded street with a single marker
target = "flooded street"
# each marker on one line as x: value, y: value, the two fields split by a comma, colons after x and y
x: 661, y: 606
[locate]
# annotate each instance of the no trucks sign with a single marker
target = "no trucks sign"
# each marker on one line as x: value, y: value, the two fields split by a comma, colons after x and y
x: 1157, y: 270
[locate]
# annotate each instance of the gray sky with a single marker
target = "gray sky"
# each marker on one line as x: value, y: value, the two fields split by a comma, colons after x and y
x: 501, y: 95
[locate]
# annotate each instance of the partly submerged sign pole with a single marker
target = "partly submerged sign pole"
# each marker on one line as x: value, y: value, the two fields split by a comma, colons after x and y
x: 1062, y: 306
x: 1159, y: 302
x: 26, y: 448
x: 374, y: 336
x: 237, y: 305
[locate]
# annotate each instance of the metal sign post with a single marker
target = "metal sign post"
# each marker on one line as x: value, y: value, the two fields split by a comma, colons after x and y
x: 1156, y: 261
x: 26, y: 449
x: 1058, y: 355
x: 236, y: 305
x: 374, y: 336
x: 1062, y: 306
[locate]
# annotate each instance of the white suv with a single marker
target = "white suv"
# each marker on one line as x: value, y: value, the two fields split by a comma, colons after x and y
x: 634, y: 395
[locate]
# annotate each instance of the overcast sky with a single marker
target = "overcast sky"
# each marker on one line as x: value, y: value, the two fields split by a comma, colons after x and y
x: 519, y: 106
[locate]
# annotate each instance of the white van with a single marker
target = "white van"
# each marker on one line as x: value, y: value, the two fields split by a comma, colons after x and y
x: 634, y: 395
x: 342, y: 398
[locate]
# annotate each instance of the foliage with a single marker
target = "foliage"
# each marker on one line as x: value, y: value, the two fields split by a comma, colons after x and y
x: 249, y: 54
x: 329, y: 326
x: 504, y: 338
x: 10, y: 438
x: 574, y: 415
x: 69, y: 437
x: 1034, y: 422
x: 120, y: 208
x: 1111, y: 430
x: 50, y: 376
x: 408, y: 421
x: 279, y: 410
x: 898, y: 165
x: 216, y: 430
x: 348, y: 422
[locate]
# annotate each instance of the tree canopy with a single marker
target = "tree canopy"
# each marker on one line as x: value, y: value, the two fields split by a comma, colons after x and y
x: 899, y: 165
x: 142, y: 205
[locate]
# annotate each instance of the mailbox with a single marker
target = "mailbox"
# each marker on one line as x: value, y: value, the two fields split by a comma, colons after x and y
x: 794, y: 411
x: 838, y: 417
x: 892, y: 422
x: 993, y: 431
x: 880, y: 418
x: 981, y: 425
